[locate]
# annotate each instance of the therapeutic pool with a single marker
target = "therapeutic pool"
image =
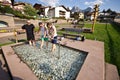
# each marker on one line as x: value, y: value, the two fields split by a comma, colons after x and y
x: 63, y: 64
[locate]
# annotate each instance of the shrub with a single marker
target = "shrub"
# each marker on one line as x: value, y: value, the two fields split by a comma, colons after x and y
x: 8, y: 9
x: 29, y: 10
x: 5, y: 9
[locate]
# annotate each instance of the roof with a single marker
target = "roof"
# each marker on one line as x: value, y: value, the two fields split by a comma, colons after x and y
x: 16, y: 4
x: 64, y: 7
x: 52, y: 8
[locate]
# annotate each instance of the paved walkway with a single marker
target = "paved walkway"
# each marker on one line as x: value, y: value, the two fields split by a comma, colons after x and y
x: 5, y: 34
x: 3, y: 70
x: 94, y: 63
x: 9, y: 37
x: 111, y: 72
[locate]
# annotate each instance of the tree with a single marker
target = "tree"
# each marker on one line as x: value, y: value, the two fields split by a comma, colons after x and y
x: 40, y: 8
x: 104, y: 11
x: 29, y: 10
x: 109, y: 10
x: 75, y: 15
x: 113, y: 13
x: 6, y: 9
x: 37, y: 6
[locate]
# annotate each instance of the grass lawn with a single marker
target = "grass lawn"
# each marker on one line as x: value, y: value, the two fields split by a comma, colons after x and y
x: 6, y: 44
x: 110, y: 35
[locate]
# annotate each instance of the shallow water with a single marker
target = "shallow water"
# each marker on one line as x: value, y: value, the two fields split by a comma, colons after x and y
x: 63, y: 64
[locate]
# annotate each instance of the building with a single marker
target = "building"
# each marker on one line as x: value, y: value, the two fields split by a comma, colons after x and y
x: 6, y: 2
x: 81, y: 15
x: 19, y: 7
x: 90, y: 16
x: 48, y: 11
x: 57, y: 12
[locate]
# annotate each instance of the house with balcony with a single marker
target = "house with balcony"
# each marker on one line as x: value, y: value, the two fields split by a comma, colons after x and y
x: 57, y: 12
x: 48, y: 11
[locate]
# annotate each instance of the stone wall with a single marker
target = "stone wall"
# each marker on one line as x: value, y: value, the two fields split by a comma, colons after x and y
x: 20, y: 22
x: 59, y: 21
x: 35, y: 22
x: 17, y: 22
x: 7, y: 18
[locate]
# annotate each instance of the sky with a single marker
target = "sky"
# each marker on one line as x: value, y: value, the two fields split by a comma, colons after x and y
x: 82, y: 4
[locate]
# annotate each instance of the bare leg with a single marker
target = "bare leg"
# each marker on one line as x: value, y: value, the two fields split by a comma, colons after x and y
x: 53, y: 47
x: 30, y: 42
x: 33, y: 43
x: 47, y: 44
x: 42, y: 43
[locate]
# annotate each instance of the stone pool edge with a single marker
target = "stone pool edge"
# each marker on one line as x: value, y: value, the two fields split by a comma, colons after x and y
x: 89, y: 71
x: 18, y: 69
x: 93, y: 67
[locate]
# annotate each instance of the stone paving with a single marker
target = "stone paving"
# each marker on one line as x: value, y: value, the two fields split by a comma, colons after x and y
x: 18, y: 69
x: 9, y: 37
x: 5, y: 34
x: 94, y: 63
x: 6, y: 38
x: 111, y: 72
x: 3, y: 70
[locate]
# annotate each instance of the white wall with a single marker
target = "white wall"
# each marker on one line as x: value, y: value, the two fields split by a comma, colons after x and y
x: 55, y: 12
x: 51, y: 13
x: 81, y: 15
x: 46, y: 11
x: 67, y: 13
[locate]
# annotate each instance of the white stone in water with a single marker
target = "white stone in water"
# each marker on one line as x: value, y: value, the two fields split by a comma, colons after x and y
x: 50, y: 67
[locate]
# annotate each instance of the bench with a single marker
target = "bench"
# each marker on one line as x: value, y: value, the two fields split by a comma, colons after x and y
x: 87, y: 30
x: 72, y: 30
x: 77, y: 36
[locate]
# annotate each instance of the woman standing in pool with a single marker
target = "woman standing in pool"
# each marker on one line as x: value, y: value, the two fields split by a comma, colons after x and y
x: 53, y: 35
x: 44, y: 33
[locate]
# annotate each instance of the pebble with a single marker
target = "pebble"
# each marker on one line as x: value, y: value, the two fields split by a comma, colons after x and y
x: 46, y: 65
